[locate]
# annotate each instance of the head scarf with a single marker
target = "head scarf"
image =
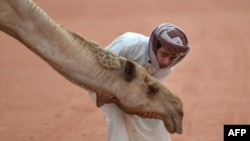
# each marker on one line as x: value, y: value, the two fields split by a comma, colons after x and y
x: 172, y: 38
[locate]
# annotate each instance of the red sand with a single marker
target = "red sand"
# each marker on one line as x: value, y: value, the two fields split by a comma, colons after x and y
x: 37, y: 104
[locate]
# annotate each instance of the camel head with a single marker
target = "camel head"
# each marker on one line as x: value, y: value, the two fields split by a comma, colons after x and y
x: 139, y: 92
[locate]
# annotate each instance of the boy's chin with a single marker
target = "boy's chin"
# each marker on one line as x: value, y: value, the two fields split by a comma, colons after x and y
x: 163, y: 66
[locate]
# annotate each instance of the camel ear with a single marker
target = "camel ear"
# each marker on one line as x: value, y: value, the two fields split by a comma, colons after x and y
x: 129, y: 71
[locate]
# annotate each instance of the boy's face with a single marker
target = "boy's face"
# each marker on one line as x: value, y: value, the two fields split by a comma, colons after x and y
x: 164, y: 58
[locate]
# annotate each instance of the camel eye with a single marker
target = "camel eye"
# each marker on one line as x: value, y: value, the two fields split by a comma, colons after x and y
x: 152, y: 87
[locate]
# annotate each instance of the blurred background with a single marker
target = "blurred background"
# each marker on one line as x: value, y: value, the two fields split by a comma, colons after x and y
x: 213, y: 81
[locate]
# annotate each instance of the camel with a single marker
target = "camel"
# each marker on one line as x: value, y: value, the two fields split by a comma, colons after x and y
x: 86, y: 64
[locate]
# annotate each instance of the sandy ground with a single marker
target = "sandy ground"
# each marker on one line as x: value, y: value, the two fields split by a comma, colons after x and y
x: 37, y: 104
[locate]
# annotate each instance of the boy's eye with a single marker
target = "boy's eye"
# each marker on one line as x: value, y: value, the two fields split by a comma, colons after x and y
x: 172, y: 58
x: 164, y: 54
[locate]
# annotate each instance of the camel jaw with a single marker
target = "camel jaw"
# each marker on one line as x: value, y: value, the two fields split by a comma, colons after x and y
x: 173, y: 125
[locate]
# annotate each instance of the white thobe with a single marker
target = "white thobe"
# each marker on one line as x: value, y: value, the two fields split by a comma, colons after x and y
x: 122, y: 126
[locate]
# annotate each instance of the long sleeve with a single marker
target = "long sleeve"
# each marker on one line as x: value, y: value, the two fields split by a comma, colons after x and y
x: 126, y: 127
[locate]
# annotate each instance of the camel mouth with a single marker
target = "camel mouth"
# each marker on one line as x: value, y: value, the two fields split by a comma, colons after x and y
x: 172, y: 125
